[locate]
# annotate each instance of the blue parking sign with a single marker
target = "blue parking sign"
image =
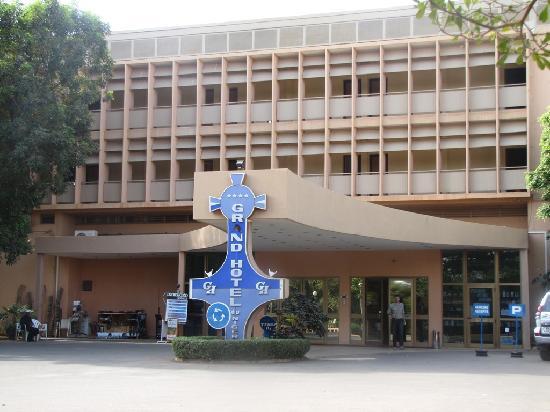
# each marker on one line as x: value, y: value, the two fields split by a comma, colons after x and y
x: 516, y: 310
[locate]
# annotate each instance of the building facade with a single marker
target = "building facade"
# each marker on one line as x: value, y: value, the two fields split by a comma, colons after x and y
x: 413, y: 145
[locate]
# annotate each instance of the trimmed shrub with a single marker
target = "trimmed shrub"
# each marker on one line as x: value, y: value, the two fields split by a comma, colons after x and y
x: 212, y: 348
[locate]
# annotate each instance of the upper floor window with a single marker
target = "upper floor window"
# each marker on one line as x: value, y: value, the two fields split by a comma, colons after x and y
x: 514, y: 75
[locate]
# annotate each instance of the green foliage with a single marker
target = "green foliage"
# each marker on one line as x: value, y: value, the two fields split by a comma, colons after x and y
x: 209, y: 348
x: 539, y: 179
x: 505, y: 21
x: 299, y: 315
x: 10, y: 316
x: 54, y: 60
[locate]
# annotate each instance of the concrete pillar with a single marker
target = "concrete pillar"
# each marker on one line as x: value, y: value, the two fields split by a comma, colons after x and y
x: 181, y: 271
x: 524, y: 279
x: 38, y: 286
x: 344, y: 310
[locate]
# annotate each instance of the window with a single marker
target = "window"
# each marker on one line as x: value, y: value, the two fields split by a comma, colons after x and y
x: 374, y: 163
x: 117, y: 102
x: 47, y: 219
x: 95, y: 105
x: 235, y: 164
x: 374, y: 85
x: 233, y: 94
x: 208, y: 165
x: 92, y: 173
x: 140, y: 98
x: 209, y: 96
x: 514, y: 75
x: 481, y: 266
x: 86, y: 286
x: 346, y: 164
x: 346, y: 87
x: 515, y: 156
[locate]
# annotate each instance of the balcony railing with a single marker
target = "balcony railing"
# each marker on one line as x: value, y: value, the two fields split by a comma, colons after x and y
x: 314, y: 108
x: 423, y: 102
x: 340, y: 183
x: 163, y: 117
x: 482, y: 98
x: 211, y: 114
x: 512, y: 96
x: 111, y: 192
x: 235, y: 113
x: 452, y: 181
x: 512, y: 178
x: 88, y: 193
x: 136, y: 190
x: 261, y: 111
x: 184, y: 189
x: 287, y: 110
x: 483, y: 180
x: 395, y: 183
x: 68, y: 195
x: 367, y: 184
x: 424, y: 182
x: 395, y: 103
x: 115, y: 119
x: 453, y: 100
x: 138, y: 118
x: 187, y: 115
x: 340, y: 107
x: 160, y: 190
x: 368, y: 105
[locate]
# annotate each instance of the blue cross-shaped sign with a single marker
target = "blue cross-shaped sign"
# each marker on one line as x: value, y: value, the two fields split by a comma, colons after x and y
x: 238, y: 288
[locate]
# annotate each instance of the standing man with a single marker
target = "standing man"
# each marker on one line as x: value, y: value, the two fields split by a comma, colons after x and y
x: 396, y: 311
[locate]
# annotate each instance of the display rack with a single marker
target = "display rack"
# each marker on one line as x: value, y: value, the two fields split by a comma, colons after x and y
x: 121, y: 325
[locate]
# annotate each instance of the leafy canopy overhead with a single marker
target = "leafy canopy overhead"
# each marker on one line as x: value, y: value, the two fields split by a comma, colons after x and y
x: 54, y: 60
x: 510, y: 22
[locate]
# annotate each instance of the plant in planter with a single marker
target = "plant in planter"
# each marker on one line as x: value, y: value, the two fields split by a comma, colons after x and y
x: 10, y: 316
x: 298, y: 316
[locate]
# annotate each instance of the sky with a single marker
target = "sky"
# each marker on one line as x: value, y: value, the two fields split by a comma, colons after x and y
x: 141, y: 14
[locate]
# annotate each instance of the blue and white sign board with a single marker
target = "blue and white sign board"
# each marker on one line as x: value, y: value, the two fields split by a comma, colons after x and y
x: 176, y: 306
x: 516, y: 310
x: 481, y: 310
x: 238, y: 288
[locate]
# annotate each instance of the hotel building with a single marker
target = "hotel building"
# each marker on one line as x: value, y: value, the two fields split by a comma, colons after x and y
x: 392, y: 156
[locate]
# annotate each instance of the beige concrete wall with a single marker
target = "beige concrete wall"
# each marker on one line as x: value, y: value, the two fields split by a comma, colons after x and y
x: 121, y: 285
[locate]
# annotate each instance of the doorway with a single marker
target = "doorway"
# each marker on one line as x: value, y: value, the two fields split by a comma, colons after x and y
x: 481, y: 294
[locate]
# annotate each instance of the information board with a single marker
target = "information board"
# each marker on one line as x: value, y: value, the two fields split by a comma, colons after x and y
x: 176, y: 308
x: 481, y: 310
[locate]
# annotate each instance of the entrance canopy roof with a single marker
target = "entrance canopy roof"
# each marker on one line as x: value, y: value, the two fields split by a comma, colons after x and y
x: 300, y: 216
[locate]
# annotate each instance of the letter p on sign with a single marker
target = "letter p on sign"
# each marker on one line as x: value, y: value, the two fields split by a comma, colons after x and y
x: 517, y: 310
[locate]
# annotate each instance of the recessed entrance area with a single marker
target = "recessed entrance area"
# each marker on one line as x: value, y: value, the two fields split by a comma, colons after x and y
x: 370, y: 323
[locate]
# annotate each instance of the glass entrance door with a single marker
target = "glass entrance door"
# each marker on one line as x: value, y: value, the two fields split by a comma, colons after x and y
x: 403, y: 289
x: 375, y: 304
x: 481, y: 294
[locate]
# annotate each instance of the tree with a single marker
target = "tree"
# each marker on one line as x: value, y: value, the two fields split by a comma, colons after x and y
x: 300, y: 314
x: 54, y: 60
x: 509, y: 22
x: 539, y: 179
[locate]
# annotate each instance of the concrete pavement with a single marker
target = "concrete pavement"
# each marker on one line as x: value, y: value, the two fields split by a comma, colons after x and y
x: 57, y: 375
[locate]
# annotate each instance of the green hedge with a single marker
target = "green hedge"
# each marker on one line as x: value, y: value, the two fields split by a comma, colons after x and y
x: 209, y: 348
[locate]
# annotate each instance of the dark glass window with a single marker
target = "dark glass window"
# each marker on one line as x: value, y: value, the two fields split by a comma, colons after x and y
x: 209, y: 96
x: 481, y: 266
x: 233, y: 94
x: 374, y: 85
x: 453, y: 331
x: 92, y: 173
x: 208, y: 165
x: 514, y: 75
x: 422, y: 296
x: 95, y: 105
x: 346, y: 164
x: 452, y: 267
x: 453, y: 301
x: 47, y: 218
x: 346, y: 87
x: 86, y: 286
x: 509, y: 266
x: 515, y: 156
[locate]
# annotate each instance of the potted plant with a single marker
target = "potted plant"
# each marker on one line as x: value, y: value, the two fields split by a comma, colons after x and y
x: 10, y: 316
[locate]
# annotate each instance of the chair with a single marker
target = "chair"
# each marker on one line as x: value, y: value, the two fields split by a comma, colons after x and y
x: 20, y: 334
x: 43, y: 329
x: 64, y: 324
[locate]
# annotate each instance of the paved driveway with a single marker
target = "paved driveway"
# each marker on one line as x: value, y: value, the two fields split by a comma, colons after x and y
x: 126, y: 376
